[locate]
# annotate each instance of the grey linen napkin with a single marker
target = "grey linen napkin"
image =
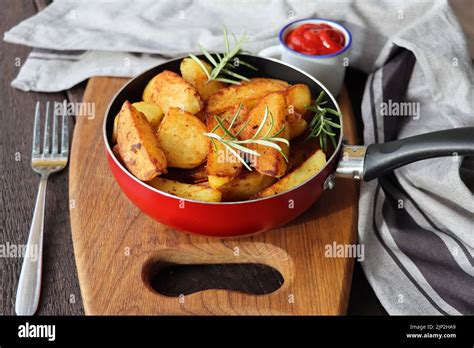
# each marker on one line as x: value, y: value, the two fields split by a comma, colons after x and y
x: 74, y: 40
x: 417, y: 224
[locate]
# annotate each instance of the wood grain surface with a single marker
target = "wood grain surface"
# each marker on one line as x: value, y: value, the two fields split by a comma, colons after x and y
x: 118, y: 249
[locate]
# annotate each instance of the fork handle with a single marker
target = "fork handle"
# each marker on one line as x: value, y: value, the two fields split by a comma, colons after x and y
x: 29, y: 285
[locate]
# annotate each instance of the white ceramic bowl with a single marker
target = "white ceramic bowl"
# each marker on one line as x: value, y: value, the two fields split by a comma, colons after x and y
x: 329, y: 69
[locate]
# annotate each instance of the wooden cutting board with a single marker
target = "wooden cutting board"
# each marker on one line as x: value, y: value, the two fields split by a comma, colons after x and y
x: 117, y: 247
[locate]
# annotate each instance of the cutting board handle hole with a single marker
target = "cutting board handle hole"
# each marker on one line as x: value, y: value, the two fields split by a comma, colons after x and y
x: 175, y: 280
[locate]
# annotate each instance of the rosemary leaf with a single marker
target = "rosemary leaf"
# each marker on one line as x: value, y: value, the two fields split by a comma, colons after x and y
x: 213, y: 136
x: 223, y: 67
x: 332, y: 124
x: 243, y: 127
x: 237, y: 114
x: 270, y: 127
x: 242, y: 148
x: 321, y: 125
x: 320, y: 97
x: 333, y: 141
x: 279, y: 132
x: 281, y: 140
x: 233, y: 74
x: 334, y: 112
x: 312, y: 108
x: 267, y: 143
x: 250, y: 66
x: 262, y: 124
x: 226, y: 41
x: 236, y: 154
x: 208, y: 55
x: 328, y: 132
x: 214, y: 145
x: 221, y: 125
x: 198, y: 62
x: 237, y: 146
x: 283, y: 155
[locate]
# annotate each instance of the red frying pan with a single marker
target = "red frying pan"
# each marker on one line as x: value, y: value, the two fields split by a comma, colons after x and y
x: 232, y: 219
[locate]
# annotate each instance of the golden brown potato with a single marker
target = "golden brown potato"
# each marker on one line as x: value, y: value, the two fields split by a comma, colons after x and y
x: 297, y: 125
x: 148, y: 91
x: 249, y: 94
x: 181, y: 136
x: 193, y: 73
x: 267, y: 80
x: 297, y: 97
x: 168, y: 89
x: 152, y: 112
x: 216, y: 182
x: 189, y: 191
x: 245, y: 186
x: 270, y: 162
x: 222, y: 165
x: 138, y: 145
x: 308, y: 169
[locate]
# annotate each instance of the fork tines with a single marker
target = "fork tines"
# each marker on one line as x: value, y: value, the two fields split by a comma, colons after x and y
x: 51, y: 147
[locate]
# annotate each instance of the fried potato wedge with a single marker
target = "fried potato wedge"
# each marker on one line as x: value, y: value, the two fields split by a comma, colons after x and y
x: 148, y: 91
x: 308, y: 169
x: 297, y: 126
x: 270, y: 161
x: 249, y: 94
x: 181, y: 136
x: 267, y: 80
x: 193, y: 73
x: 138, y: 145
x: 189, y: 191
x: 297, y: 97
x: 216, y: 182
x: 168, y: 89
x: 152, y: 112
x: 222, y: 164
x: 245, y: 186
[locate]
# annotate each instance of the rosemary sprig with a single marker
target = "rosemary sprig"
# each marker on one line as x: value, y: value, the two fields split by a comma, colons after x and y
x: 231, y: 142
x: 222, y: 66
x: 321, y: 125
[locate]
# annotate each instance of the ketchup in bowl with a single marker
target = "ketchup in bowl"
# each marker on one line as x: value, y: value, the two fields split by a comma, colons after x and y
x: 315, y: 39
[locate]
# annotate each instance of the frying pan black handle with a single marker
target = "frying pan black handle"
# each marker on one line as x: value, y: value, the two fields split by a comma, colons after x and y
x: 383, y: 158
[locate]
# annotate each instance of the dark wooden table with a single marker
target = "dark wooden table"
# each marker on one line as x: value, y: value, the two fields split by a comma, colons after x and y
x: 18, y: 187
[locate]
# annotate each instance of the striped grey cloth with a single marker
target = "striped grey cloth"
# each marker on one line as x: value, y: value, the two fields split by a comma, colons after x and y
x: 417, y: 224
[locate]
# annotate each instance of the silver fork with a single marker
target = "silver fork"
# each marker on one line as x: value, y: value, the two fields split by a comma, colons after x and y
x: 51, y: 159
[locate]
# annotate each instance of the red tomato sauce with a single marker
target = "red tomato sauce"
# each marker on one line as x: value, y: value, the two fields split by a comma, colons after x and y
x: 315, y: 39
